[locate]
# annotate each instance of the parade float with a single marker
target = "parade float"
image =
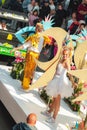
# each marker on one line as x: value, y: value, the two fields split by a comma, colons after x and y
x: 20, y: 104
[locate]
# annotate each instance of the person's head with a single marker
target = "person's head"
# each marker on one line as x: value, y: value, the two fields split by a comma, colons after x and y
x: 52, y: 12
x: 33, y: 2
x: 74, y: 15
x: 39, y: 27
x: 84, y: 2
x: 36, y: 3
x: 35, y: 12
x: 3, y: 24
x: 66, y: 53
x: 46, y: 3
x: 31, y: 119
x: 51, y: 1
x: 60, y: 7
x: 82, y: 24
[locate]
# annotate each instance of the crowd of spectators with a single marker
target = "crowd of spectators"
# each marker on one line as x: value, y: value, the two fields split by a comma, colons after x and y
x: 70, y: 15
x: 66, y: 13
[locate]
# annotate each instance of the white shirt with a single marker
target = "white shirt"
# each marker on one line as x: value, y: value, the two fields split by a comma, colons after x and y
x: 30, y: 8
x: 52, y: 7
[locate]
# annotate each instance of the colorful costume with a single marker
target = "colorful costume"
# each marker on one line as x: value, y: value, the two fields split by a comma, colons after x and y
x: 60, y: 84
x: 34, y: 43
x: 31, y: 30
x: 33, y: 52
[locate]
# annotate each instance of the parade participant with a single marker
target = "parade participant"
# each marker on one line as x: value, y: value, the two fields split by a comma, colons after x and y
x: 60, y: 86
x: 34, y: 45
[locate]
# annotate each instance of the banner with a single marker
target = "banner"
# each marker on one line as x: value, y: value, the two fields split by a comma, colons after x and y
x: 7, y: 51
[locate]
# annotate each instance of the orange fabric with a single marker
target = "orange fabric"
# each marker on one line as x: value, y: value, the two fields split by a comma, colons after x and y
x: 29, y: 68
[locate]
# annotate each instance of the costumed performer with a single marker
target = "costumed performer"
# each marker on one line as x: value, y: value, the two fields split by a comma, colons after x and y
x: 34, y: 45
x: 60, y: 86
x: 47, y: 23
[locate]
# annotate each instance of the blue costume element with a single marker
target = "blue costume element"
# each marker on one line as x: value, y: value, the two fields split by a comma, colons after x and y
x: 74, y: 37
x: 67, y: 39
x: 47, y: 24
x: 31, y: 30
x: 82, y: 36
x: 84, y: 32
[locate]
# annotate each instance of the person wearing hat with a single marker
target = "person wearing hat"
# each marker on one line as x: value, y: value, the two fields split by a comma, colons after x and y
x: 29, y: 125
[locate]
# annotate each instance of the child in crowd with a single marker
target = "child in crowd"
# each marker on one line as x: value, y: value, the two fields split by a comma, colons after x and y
x: 32, y: 17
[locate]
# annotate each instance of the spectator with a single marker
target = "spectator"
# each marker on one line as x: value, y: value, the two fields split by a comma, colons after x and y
x: 31, y: 6
x: 29, y: 125
x: 82, y: 10
x: 45, y: 10
x: 32, y: 17
x: 3, y: 25
x: 66, y: 4
x: 60, y: 16
x: 36, y: 7
x: 73, y: 19
x: 73, y: 4
x: 81, y: 26
x: 24, y: 5
x: 61, y: 1
x: 15, y: 5
x: 77, y: 27
x: 52, y: 15
x: 51, y: 4
x: 73, y: 27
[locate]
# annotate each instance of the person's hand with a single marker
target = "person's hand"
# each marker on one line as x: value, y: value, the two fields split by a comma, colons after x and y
x: 13, y: 50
